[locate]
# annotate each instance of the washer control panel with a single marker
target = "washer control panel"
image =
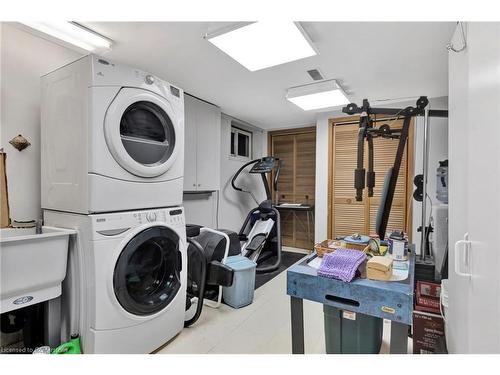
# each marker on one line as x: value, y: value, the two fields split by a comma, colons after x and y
x: 111, y: 223
x: 149, y: 79
x: 151, y: 216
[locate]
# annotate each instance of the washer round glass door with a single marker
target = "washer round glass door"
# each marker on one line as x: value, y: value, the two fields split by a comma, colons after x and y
x: 140, y: 131
x: 147, y: 273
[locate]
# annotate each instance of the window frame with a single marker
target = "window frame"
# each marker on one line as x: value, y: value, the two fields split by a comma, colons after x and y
x: 236, y: 131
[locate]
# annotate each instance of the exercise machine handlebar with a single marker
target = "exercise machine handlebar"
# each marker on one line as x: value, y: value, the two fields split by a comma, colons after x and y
x: 233, y: 180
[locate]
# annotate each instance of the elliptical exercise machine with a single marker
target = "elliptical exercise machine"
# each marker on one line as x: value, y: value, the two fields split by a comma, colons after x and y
x: 260, y: 233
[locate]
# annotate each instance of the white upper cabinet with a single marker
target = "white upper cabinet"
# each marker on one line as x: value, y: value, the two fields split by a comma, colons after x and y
x: 474, y: 203
x: 202, y: 145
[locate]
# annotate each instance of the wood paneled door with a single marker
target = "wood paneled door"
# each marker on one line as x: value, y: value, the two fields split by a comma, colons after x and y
x: 296, y: 149
x: 347, y: 216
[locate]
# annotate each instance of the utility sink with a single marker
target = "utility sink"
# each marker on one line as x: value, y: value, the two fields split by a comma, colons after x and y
x: 32, y: 266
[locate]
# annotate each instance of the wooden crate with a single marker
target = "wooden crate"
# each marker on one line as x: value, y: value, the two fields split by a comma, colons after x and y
x: 328, y: 246
x: 356, y: 246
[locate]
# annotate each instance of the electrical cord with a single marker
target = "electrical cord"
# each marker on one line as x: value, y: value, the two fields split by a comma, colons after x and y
x: 430, y: 220
x: 397, y: 117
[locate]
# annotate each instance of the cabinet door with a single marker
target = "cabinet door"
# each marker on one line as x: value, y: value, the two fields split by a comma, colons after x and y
x: 190, y: 145
x: 457, y: 319
x: 474, y: 202
x: 208, y: 146
x: 483, y: 177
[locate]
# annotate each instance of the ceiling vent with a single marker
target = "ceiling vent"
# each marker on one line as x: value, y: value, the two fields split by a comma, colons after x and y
x: 315, y: 74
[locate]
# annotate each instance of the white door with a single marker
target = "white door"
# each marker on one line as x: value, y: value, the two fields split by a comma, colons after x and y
x: 484, y: 187
x: 141, y: 130
x: 457, y: 319
x: 474, y: 316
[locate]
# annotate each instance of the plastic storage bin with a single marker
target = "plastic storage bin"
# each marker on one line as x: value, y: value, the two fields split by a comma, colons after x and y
x: 241, y: 292
x: 351, y: 333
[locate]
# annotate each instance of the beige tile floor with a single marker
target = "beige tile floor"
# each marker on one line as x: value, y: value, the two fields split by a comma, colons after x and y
x: 260, y: 328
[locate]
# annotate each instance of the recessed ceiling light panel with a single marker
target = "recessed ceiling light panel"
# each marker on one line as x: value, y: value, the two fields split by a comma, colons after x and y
x: 326, y: 94
x: 261, y: 45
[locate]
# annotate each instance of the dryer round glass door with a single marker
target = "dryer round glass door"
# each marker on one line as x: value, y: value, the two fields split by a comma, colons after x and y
x: 147, y: 273
x: 140, y: 130
x: 147, y: 133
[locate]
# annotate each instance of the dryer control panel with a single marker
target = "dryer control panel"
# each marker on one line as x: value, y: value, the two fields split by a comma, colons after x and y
x: 107, y: 73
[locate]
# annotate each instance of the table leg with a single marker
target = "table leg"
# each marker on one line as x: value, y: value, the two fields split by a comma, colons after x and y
x: 308, y: 227
x: 399, y: 338
x: 297, y: 312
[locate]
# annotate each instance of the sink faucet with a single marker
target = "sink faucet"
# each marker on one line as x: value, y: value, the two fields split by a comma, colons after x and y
x: 38, y: 227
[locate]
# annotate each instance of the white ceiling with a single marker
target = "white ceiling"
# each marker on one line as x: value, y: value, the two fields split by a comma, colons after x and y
x: 376, y: 60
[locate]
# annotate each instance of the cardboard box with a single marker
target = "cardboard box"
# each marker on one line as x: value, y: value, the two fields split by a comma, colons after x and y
x: 4, y: 196
x: 379, y: 268
x: 426, y: 301
x: 428, y: 289
x: 428, y: 332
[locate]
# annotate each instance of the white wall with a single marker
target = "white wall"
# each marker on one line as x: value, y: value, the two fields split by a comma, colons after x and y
x: 24, y: 59
x: 234, y: 205
x: 228, y: 208
x: 438, y: 151
x: 321, y: 194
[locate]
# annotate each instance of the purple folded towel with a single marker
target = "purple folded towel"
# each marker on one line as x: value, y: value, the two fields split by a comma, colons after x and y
x: 341, y: 264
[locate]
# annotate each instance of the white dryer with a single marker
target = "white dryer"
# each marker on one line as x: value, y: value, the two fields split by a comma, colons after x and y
x: 125, y: 291
x: 112, y: 139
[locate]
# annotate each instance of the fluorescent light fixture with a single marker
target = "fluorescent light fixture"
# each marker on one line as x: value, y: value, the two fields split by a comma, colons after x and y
x: 73, y: 33
x: 325, y: 94
x: 261, y: 45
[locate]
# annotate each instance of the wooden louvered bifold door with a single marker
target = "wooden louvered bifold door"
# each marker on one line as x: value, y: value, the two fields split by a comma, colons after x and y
x: 297, y: 181
x: 347, y: 216
x: 283, y: 148
x: 305, y: 183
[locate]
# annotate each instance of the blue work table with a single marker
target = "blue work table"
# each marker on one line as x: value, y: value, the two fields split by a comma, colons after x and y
x: 391, y: 300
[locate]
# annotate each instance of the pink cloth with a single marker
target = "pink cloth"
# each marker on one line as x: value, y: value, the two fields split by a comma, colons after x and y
x: 342, y: 264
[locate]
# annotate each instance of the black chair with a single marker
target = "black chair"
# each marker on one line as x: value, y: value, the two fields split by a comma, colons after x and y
x: 207, y: 249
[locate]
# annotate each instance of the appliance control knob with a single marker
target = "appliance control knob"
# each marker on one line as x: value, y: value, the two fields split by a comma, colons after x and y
x: 151, y: 216
x: 149, y: 79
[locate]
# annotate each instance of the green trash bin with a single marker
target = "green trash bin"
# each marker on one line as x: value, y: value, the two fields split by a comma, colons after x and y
x: 351, y: 333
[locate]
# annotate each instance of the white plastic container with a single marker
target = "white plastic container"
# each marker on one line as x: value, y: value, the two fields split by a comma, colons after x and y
x: 241, y: 292
x: 32, y: 266
x: 442, y: 181
x: 444, y: 304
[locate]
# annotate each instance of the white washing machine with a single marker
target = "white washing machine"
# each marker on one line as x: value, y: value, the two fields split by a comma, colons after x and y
x: 125, y: 291
x: 112, y: 139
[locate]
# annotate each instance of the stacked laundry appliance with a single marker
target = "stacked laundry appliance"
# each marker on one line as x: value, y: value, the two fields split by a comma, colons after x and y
x: 112, y: 161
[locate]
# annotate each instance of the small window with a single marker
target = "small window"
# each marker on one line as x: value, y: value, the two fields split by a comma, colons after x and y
x: 241, y: 143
